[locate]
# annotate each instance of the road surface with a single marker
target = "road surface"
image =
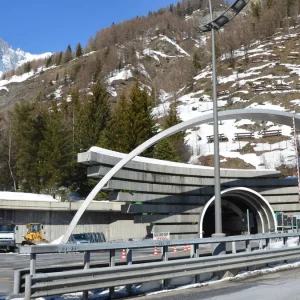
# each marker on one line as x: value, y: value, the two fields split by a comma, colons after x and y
x: 277, y: 286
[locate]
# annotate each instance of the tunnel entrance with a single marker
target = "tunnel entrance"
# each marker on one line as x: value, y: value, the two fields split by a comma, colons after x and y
x: 234, y: 221
x: 235, y: 203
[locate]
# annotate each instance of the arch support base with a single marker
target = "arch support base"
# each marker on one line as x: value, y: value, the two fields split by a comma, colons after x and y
x: 218, y: 248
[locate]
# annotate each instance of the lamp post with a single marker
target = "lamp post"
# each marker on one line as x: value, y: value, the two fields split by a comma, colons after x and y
x: 212, y: 26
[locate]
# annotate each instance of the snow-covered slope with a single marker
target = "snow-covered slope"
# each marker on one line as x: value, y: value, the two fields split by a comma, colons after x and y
x: 11, y: 59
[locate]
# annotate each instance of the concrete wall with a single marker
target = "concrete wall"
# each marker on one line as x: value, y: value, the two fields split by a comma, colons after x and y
x: 172, y: 195
x: 115, y: 226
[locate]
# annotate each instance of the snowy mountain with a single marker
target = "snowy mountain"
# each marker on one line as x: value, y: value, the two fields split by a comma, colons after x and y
x: 11, y: 59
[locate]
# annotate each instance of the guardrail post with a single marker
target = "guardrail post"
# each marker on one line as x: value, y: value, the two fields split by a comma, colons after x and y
x: 233, y: 247
x: 267, y: 244
x: 129, y: 262
x: 17, y: 281
x: 87, y: 259
x: 32, y: 263
x: 86, y: 262
x: 285, y: 242
x: 112, y: 263
x: 248, y: 246
x: 194, y: 253
x: 165, y: 257
x: 165, y: 251
x: 27, y: 287
x: 260, y: 244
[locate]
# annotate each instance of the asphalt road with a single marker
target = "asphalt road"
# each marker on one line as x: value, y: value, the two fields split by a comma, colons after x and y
x: 277, y: 286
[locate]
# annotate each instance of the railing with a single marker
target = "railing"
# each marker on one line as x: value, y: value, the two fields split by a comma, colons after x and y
x: 57, y: 283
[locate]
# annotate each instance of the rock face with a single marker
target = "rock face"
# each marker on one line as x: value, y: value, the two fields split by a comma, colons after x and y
x: 11, y: 59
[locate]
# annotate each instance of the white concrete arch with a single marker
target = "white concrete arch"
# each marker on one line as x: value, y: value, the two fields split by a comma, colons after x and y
x: 247, y: 190
x: 279, y: 117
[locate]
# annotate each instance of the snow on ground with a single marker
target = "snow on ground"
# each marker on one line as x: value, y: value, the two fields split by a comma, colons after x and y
x: 58, y: 92
x: 155, y: 54
x: 266, y: 105
x: 23, y: 77
x: 165, y: 38
x: 90, y: 53
x: 26, y: 197
x: 15, y: 78
x: 142, y: 70
x: 123, y: 74
x: 4, y: 88
x: 112, y: 91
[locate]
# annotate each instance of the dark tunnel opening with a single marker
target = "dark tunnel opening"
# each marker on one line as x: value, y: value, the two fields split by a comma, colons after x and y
x: 234, y: 221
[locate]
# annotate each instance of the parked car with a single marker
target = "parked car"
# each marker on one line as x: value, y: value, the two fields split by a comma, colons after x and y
x: 80, y: 238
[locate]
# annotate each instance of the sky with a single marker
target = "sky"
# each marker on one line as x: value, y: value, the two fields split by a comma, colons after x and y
x: 39, y: 26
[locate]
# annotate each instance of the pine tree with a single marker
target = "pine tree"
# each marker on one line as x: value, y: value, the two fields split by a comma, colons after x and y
x: 117, y: 134
x: 141, y: 120
x: 95, y: 115
x: 164, y: 150
x: 28, y: 126
x: 58, y: 58
x: 56, y: 152
x: 177, y: 140
x: 79, y: 50
x: 67, y: 56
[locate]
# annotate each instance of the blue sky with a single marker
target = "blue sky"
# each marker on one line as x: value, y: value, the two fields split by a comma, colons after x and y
x: 38, y: 26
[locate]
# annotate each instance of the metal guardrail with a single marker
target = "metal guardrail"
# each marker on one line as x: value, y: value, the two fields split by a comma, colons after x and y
x: 63, y: 248
x: 39, y: 285
x: 129, y: 246
x: 19, y: 275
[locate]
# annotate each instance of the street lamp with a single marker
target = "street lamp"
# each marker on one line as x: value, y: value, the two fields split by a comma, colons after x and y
x: 213, y: 25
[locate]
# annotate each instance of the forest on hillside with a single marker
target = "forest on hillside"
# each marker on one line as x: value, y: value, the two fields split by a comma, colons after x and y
x: 39, y: 142
x: 40, y: 137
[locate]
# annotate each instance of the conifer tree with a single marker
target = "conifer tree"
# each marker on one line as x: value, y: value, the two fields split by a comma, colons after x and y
x: 177, y: 140
x: 164, y: 150
x: 56, y: 153
x: 79, y: 50
x: 67, y: 56
x: 28, y: 129
x: 117, y: 134
x: 94, y: 116
x: 141, y: 120
x: 58, y: 58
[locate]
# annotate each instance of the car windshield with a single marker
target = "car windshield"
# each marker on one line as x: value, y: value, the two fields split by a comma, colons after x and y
x: 7, y: 227
x: 80, y: 236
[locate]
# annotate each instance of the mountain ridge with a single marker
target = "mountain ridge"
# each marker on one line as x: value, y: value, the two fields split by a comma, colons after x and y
x: 11, y: 59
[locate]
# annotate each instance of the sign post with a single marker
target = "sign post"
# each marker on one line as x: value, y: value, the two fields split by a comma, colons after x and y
x: 297, y: 156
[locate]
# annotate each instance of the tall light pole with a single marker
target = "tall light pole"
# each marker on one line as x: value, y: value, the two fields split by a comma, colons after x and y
x: 217, y: 182
x: 212, y: 26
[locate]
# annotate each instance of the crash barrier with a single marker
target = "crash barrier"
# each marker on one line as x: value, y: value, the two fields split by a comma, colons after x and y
x: 19, y: 275
x: 38, y: 285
